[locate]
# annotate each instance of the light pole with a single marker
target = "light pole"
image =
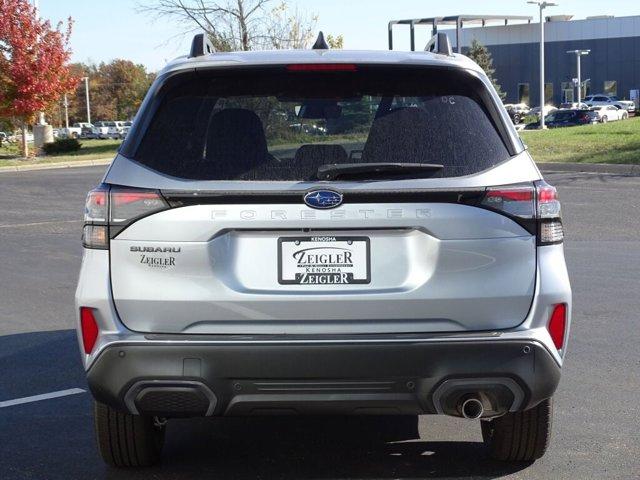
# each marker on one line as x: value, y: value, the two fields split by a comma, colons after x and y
x: 86, y: 96
x: 66, y: 113
x: 36, y: 7
x: 579, y: 54
x: 542, y: 6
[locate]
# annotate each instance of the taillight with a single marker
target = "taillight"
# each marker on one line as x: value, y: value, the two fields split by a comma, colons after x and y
x: 89, y: 329
x: 95, y: 233
x: 535, y: 207
x: 109, y: 210
x: 129, y: 204
x: 518, y: 201
x: 550, y: 229
x: 557, y: 325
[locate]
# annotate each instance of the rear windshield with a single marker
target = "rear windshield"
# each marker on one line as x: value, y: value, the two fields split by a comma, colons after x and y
x: 561, y: 115
x: 286, y: 123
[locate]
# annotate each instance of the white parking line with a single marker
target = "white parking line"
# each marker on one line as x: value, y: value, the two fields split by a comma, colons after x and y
x: 36, y: 224
x: 44, y: 396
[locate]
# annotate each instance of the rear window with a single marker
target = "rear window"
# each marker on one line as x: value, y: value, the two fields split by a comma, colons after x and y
x: 284, y: 124
x: 559, y: 116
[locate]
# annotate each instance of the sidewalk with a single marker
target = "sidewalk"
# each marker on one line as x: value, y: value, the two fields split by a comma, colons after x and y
x: 48, y: 166
x: 603, y: 168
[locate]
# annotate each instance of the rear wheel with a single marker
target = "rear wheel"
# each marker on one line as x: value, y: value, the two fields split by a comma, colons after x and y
x: 604, y: 120
x: 519, y: 436
x: 126, y: 440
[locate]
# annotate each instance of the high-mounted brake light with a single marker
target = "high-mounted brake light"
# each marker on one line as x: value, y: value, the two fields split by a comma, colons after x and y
x: 557, y: 325
x: 89, y: 329
x: 322, y: 67
x: 110, y: 209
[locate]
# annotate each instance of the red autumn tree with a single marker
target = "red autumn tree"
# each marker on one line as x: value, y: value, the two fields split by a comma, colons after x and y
x: 34, y: 57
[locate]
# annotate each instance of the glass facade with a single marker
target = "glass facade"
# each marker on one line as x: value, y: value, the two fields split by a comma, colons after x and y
x: 567, y: 92
x: 523, y: 93
x: 548, y: 93
x: 611, y: 87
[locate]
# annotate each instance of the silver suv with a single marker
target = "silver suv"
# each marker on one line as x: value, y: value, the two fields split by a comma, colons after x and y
x: 407, y: 260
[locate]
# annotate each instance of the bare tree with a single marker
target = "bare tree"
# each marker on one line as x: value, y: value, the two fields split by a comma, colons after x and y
x: 287, y: 29
x: 238, y: 24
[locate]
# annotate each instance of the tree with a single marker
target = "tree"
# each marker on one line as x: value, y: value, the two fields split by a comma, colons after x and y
x: 118, y: 89
x: 239, y: 24
x: 33, y: 63
x: 481, y: 55
x: 335, y: 43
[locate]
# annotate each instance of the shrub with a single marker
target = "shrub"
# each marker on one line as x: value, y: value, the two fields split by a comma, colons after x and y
x: 61, y: 145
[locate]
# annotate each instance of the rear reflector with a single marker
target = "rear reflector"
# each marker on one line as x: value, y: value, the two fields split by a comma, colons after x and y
x: 557, y: 324
x: 89, y: 328
x: 322, y: 67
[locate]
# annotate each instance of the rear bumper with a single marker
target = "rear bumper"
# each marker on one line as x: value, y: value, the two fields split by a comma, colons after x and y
x: 192, y: 378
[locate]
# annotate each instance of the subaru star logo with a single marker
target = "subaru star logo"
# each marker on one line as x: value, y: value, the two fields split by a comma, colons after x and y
x: 323, y: 199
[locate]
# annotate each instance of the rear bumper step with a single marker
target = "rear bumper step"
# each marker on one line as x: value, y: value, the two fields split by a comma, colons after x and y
x: 375, y: 378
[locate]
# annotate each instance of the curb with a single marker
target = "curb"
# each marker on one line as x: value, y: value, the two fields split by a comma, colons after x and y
x: 50, y: 166
x: 603, y: 168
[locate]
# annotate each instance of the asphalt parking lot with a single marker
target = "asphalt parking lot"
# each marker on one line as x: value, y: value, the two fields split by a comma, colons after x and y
x: 596, y: 431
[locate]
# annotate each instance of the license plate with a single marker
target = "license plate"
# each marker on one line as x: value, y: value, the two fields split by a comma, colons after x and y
x: 323, y: 260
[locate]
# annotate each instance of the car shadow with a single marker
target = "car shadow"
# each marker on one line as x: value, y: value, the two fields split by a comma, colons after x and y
x: 320, y: 448
x: 54, y: 439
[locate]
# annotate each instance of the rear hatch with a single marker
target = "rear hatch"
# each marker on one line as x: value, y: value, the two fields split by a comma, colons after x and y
x: 322, y: 200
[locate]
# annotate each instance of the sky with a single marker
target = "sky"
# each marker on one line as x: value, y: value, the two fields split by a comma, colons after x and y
x: 108, y: 29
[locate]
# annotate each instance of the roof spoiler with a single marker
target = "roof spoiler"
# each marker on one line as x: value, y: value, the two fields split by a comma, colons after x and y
x: 439, y: 43
x: 201, y: 45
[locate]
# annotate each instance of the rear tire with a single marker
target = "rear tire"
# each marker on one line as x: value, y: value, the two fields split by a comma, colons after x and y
x: 519, y: 436
x: 126, y: 440
x: 605, y: 119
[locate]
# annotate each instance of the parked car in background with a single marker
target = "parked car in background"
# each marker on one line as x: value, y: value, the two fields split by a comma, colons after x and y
x: 74, y: 131
x: 125, y: 129
x: 547, y: 110
x: 575, y: 106
x: 115, y: 129
x: 604, y: 100
x: 567, y: 118
x: 521, y: 108
x: 515, y: 115
x: 86, y: 130
x: 3, y: 137
x: 610, y: 113
x: 100, y: 130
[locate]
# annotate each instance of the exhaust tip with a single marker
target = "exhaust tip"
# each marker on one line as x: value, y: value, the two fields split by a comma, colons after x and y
x: 472, y: 408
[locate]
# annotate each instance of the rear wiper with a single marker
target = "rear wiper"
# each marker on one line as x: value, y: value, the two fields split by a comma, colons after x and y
x: 375, y: 170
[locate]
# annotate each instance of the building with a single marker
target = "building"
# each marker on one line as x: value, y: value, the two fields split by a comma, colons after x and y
x: 612, y: 66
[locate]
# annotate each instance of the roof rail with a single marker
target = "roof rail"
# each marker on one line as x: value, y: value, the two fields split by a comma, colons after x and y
x: 201, y: 45
x: 439, y: 43
x: 321, y: 43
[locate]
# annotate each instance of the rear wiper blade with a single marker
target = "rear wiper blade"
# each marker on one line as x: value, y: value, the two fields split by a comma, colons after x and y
x: 375, y: 170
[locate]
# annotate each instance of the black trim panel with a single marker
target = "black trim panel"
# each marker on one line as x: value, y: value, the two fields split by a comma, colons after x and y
x: 183, y: 198
x: 410, y: 373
